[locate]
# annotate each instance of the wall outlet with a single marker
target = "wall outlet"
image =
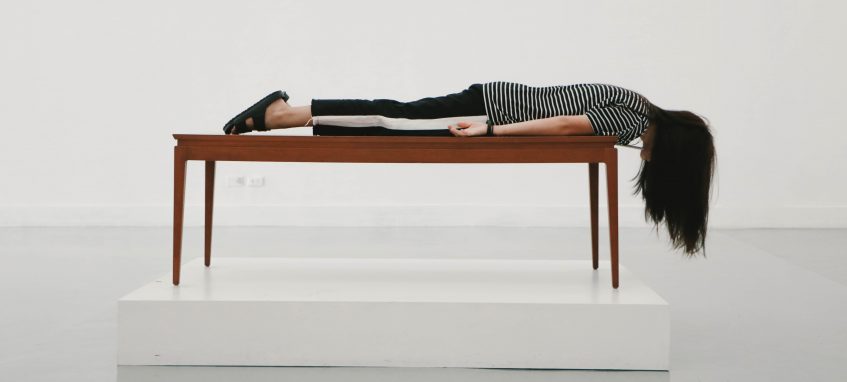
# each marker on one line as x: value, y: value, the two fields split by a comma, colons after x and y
x: 256, y: 181
x: 235, y: 181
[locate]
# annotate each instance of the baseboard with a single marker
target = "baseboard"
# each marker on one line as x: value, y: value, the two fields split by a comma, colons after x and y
x: 404, y: 215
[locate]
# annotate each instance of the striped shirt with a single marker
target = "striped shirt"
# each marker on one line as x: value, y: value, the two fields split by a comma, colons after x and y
x: 612, y: 110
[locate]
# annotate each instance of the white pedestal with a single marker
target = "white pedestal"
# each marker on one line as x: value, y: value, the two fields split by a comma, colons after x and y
x: 547, y: 314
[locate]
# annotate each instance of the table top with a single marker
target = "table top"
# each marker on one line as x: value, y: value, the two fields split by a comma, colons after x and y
x: 396, y: 149
x: 301, y: 141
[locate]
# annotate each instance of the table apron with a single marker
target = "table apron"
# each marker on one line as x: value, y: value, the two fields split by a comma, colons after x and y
x: 397, y: 155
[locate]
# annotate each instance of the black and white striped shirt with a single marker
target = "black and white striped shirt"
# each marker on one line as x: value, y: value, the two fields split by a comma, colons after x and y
x: 612, y: 110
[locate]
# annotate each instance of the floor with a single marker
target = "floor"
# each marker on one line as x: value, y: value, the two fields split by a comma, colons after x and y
x: 765, y: 305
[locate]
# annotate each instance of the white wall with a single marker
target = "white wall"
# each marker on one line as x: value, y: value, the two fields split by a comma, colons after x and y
x: 92, y: 91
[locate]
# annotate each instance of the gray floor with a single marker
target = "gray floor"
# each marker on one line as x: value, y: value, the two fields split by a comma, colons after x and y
x: 765, y: 305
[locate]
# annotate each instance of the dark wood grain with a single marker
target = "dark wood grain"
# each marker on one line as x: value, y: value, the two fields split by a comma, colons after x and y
x: 592, y: 196
x: 210, y: 202
x: 180, y: 163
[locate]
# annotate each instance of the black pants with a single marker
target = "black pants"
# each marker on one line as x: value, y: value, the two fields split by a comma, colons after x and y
x: 426, y: 116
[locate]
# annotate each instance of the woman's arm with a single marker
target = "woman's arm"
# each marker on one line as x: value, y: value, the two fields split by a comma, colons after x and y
x: 560, y: 125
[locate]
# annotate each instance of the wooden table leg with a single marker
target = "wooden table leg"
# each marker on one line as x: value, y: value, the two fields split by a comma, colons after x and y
x: 612, y: 188
x: 210, y: 198
x: 179, y: 208
x: 592, y: 186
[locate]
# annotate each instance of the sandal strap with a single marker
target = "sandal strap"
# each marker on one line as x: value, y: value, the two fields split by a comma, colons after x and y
x: 259, y: 120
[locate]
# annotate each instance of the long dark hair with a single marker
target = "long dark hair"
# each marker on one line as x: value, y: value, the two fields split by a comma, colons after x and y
x: 676, y: 182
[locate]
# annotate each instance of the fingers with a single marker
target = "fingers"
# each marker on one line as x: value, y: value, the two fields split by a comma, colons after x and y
x: 456, y: 131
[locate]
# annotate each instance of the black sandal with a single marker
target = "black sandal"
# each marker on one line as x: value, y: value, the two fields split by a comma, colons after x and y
x: 257, y: 112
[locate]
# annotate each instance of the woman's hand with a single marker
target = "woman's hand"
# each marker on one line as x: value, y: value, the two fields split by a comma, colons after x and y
x: 468, y: 129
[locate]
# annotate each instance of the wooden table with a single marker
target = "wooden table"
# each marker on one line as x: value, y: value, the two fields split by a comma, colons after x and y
x: 395, y: 149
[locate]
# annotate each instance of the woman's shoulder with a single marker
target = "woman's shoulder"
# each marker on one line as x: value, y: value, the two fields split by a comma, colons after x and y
x: 606, y: 86
x: 622, y: 93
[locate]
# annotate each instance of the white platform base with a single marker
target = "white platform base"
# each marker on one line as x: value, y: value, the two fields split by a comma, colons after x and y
x: 546, y: 314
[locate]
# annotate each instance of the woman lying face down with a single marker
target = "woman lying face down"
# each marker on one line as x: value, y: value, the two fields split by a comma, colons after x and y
x: 678, y: 153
